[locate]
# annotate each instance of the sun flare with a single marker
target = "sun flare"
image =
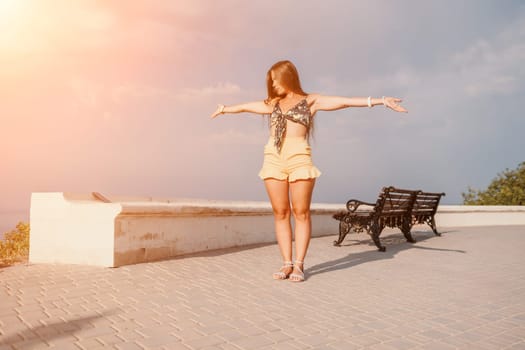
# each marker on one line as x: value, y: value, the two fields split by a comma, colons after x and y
x: 9, y: 9
x: 11, y: 22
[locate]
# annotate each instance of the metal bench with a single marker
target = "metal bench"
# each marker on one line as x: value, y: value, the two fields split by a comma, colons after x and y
x: 393, y: 208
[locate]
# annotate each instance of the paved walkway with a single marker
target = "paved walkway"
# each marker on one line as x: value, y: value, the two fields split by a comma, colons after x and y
x: 463, y: 290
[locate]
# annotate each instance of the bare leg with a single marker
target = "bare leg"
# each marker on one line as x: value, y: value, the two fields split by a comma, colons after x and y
x: 278, y: 194
x: 301, y: 193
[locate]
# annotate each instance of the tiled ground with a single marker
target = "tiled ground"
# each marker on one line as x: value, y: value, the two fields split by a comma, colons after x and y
x: 464, y: 290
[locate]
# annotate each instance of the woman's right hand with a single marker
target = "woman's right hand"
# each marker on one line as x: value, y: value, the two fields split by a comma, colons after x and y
x: 220, y: 110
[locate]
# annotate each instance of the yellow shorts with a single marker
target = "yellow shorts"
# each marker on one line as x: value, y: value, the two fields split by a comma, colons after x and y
x: 294, y: 163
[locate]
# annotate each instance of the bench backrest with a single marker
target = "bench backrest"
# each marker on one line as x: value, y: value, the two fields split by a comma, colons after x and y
x: 395, y: 202
x: 426, y: 204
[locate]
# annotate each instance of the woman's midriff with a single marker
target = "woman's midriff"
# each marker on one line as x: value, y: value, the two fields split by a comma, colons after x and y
x: 292, y: 130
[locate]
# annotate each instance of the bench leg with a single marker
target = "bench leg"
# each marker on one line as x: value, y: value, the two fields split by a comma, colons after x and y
x: 432, y: 224
x: 344, y: 228
x: 375, y: 232
x: 405, y: 228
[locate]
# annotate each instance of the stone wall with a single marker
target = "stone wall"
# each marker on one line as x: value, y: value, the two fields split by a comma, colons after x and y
x: 110, y: 231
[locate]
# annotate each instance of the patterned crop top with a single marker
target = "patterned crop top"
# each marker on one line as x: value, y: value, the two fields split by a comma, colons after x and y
x: 300, y: 113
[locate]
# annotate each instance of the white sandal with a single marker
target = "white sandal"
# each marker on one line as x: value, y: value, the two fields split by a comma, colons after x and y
x: 281, y: 275
x: 297, y: 277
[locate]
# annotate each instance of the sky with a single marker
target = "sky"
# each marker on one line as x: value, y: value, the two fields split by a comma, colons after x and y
x: 115, y: 96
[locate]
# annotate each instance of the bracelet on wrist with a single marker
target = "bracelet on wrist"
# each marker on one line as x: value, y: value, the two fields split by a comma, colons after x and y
x: 369, y: 101
x: 384, y: 102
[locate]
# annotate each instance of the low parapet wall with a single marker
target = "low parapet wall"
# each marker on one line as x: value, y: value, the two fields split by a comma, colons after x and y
x: 113, y: 231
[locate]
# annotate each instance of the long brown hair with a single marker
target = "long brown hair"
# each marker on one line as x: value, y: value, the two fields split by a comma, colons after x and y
x: 288, y: 77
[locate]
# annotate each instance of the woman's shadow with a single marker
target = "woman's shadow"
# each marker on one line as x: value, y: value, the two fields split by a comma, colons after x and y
x: 32, y: 337
x: 395, y: 243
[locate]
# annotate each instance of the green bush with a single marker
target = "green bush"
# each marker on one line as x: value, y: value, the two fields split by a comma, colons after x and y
x: 15, y: 245
x: 508, y: 188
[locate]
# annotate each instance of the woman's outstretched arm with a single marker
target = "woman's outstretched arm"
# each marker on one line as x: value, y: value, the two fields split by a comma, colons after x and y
x: 332, y: 103
x: 258, y: 107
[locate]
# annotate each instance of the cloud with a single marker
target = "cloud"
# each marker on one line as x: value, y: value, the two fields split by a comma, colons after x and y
x: 123, y: 93
x: 493, y: 66
x: 216, y: 90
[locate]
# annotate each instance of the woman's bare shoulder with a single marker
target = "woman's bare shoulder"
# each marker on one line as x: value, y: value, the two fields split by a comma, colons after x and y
x: 311, y: 98
x: 272, y: 102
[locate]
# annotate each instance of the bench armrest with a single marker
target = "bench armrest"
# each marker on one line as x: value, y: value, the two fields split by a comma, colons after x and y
x: 353, y: 204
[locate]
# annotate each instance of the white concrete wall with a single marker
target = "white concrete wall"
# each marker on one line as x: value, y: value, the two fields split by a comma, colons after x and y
x: 151, y: 231
x: 80, y: 229
x: 479, y: 215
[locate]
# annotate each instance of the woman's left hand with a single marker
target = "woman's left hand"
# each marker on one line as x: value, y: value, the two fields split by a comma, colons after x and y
x: 218, y: 111
x: 393, y: 103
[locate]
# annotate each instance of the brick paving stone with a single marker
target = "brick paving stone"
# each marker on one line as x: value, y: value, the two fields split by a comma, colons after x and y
x: 156, y: 331
x: 125, y: 325
x: 47, y: 332
x: 61, y: 340
x: 381, y: 346
x: 503, y: 340
x: 287, y: 345
x: 110, y: 339
x: 473, y: 335
x: 66, y: 346
x: 518, y: 332
x: 129, y: 335
x: 173, y: 346
x: 343, y: 345
x: 30, y: 344
x: 87, y: 344
x: 128, y: 346
x: 357, y: 331
x: 158, y: 341
x: 188, y: 334
x: 517, y: 346
x: 508, y: 323
x: 434, y: 334
x: 227, y: 347
x: 253, y: 342
x: 418, y: 338
x: 295, y: 333
x: 230, y: 334
x: 251, y: 331
x: 364, y: 340
x: 520, y: 317
x: 93, y: 332
x: 489, y: 330
x: 205, y: 341
x: 401, y: 344
x: 11, y: 339
x: 437, y: 346
x: 277, y: 336
x: 476, y: 346
x: 317, y: 339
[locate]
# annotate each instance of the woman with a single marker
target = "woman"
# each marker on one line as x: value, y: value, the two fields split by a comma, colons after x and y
x: 288, y: 171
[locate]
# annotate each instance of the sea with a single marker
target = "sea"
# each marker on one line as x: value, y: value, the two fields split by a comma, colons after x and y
x: 10, y: 218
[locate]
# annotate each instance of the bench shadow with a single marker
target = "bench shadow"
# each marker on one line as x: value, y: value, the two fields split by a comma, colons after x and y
x: 394, y: 243
x: 34, y: 336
